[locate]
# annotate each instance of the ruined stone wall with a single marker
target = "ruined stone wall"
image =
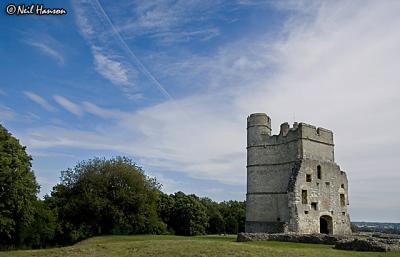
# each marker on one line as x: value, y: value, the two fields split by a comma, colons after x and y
x: 323, y: 198
x: 316, y: 143
x: 342, y: 242
x: 270, y: 160
x: 281, y: 167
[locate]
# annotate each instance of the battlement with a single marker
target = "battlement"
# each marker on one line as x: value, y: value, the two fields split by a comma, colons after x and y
x: 301, y: 131
x: 297, y: 142
x: 286, y: 134
x: 315, y: 134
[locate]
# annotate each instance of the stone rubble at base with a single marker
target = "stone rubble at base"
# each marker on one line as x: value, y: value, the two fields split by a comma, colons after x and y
x: 342, y: 242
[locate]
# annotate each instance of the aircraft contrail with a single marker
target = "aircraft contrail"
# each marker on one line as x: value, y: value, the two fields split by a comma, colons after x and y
x: 141, y: 66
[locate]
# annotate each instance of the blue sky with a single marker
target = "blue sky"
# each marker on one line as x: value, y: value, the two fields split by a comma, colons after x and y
x: 170, y: 84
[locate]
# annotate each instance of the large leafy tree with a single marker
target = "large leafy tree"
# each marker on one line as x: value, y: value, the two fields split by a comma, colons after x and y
x: 40, y: 232
x: 18, y: 189
x: 233, y: 213
x: 165, y: 210
x: 184, y: 214
x: 105, y: 197
x: 216, y: 223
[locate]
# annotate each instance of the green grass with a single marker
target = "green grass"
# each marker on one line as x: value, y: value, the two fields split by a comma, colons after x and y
x: 172, y: 246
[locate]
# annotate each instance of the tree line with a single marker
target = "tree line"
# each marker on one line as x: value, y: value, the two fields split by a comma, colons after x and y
x: 98, y: 197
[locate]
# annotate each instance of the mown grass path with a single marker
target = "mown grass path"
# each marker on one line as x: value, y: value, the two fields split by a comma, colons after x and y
x: 174, y: 246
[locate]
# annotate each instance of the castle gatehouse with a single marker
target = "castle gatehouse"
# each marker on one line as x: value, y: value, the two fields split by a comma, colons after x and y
x: 293, y: 182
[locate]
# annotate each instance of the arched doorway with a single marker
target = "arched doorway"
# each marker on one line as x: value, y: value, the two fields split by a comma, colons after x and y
x: 325, y: 224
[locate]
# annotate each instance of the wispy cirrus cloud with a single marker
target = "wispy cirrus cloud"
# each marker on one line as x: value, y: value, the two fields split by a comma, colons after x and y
x: 114, y: 59
x: 170, y: 37
x: 334, y: 64
x: 48, y: 51
x: 118, y: 73
x: 182, y: 144
x: 6, y: 113
x: 108, y: 61
x: 103, y: 112
x: 172, y: 21
x: 68, y: 105
x: 253, y: 2
x: 40, y: 101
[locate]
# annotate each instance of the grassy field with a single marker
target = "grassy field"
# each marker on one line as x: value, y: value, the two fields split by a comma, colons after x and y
x: 173, y: 246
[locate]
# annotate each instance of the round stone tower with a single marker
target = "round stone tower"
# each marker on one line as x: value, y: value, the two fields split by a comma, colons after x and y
x: 259, y: 214
x: 258, y: 128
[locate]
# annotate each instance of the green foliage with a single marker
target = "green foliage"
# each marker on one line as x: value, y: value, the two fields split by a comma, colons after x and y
x: 216, y: 222
x: 184, y: 214
x: 105, y: 197
x: 98, y: 197
x: 42, y: 230
x: 354, y: 228
x: 189, y: 215
x: 165, y: 210
x: 18, y: 189
x: 234, y: 214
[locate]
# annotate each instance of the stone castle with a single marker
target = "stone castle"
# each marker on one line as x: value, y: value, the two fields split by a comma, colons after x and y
x: 293, y: 182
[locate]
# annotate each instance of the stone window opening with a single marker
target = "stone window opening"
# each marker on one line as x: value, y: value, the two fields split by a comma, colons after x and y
x: 342, y: 185
x: 278, y: 219
x: 319, y: 175
x: 343, y: 213
x: 308, y: 177
x: 327, y: 183
x: 305, y: 212
x: 314, y: 206
x: 304, y: 196
x: 342, y: 200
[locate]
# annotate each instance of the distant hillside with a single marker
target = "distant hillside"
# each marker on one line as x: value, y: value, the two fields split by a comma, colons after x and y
x: 383, y: 227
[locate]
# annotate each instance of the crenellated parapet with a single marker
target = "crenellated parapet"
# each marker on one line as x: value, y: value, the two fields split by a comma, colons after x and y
x: 293, y: 181
x: 320, y: 135
x: 286, y: 135
x: 301, y: 131
x: 297, y: 142
x: 261, y: 126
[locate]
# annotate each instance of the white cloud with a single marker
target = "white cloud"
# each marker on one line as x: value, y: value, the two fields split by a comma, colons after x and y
x: 103, y: 112
x: 113, y: 70
x: 49, y: 51
x: 165, y: 137
x: 335, y: 67
x: 82, y: 21
x: 68, y: 105
x: 109, y: 61
x: 168, y: 21
x: 40, y: 101
x: 170, y: 37
x: 338, y: 71
x: 31, y: 117
x: 321, y: 74
x: 169, y: 185
x: 6, y: 113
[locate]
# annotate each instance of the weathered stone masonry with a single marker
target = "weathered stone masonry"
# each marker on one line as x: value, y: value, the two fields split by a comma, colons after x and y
x: 293, y: 182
